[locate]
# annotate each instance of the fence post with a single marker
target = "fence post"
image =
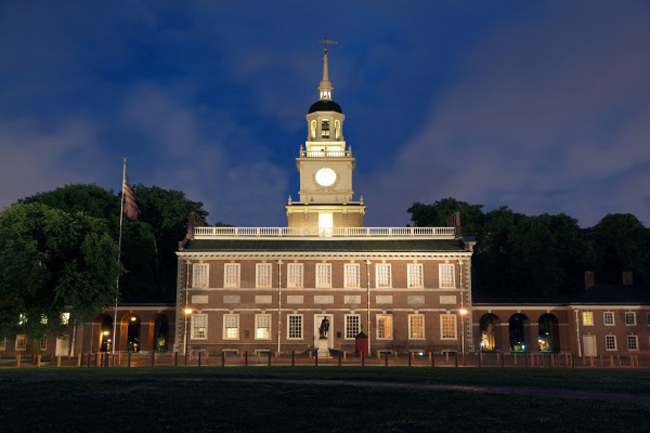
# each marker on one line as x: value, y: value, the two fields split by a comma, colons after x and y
x: 200, y: 353
x: 38, y: 360
x: 153, y: 359
x: 386, y: 358
x: 316, y: 358
x: 363, y: 358
x: 455, y: 359
x: 128, y: 359
x: 18, y: 361
x: 175, y: 359
x: 480, y: 359
x: 269, y: 357
x: 246, y: 358
x: 432, y: 354
x: 293, y: 358
x: 223, y: 359
x: 339, y: 358
x: 410, y: 356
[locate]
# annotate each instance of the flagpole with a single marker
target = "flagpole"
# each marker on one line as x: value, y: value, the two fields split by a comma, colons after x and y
x: 119, y: 254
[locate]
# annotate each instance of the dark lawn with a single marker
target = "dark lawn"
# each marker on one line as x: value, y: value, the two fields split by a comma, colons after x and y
x: 142, y: 399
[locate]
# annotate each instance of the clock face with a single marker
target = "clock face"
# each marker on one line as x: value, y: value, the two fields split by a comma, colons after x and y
x: 325, y: 177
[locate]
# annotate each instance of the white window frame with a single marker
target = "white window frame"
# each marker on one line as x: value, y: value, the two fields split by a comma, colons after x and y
x: 383, y: 269
x: 42, y: 342
x: 295, y: 275
x: 352, y: 275
x: 442, y: 327
x: 258, y: 318
x: 608, y: 316
x: 444, y: 269
x: 631, y: 314
x: 302, y: 326
x: 323, y: 275
x: 411, y: 317
x: 23, y: 338
x: 414, y: 276
x: 263, y: 275
x: 199, y: 332
x: 349, y: 326
x: 200, y: 275
x: 230, y: 270
x: 634, y: 338
x: 65, y: 318
x: 611, y: 338
x: 226, y: 319
x: 379, y: 317
x: 589, y: 314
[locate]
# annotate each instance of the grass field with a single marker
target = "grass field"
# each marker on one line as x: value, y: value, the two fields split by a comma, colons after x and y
x: 323, y: 399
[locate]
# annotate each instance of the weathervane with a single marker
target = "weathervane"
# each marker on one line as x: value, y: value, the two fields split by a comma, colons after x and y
x: 326, y: 42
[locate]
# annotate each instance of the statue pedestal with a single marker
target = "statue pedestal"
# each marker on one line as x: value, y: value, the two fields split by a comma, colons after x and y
x: 323, y: 349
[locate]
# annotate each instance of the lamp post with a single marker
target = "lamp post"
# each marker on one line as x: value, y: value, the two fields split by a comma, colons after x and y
x: 463, y: 314
x: 187, y: 312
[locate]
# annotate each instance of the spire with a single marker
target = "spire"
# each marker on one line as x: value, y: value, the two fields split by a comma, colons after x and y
x: 325, y: 88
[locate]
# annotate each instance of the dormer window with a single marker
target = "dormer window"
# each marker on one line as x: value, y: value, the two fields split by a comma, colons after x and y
x: 325, y: 129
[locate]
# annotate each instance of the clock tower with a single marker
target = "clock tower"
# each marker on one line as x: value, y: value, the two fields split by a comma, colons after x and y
x: 325, y: 164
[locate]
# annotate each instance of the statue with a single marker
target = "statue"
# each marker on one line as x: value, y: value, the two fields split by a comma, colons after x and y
x: 324, y: 327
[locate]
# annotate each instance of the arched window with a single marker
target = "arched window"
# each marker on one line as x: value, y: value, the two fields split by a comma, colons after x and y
x: 488, y: 327
x: 337, y: 129
x: 106, y: 336
x: 313, y: 129
x: 161, y: 334
x: 548, y: 338
x: 518, y: 333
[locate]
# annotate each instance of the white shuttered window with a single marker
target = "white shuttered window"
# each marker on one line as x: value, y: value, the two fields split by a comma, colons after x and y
x: 447, y: 277
x: 352, y: 275
x: 415, y: 277
x: 200, y: 275
x: 199, y: 326
x: 323, y: 275
x: 231, y: 275
x: 294, y: 275
x: 263, y: 275
x: 231, y: 326
x: 383, y: 277
x: 262, y: 326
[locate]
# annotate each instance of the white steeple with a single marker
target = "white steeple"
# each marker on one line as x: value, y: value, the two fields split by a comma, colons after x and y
x: 325, y: 88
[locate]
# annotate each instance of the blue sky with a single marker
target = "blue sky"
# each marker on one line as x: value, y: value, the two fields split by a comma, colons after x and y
x: 539, y: 106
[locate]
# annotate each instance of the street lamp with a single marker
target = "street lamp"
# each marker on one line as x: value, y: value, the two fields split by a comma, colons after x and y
x: 187, y: 312
x: 463, y: 313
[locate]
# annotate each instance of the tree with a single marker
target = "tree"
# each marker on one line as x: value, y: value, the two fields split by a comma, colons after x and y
x: 437, y: 214
x: 53, y: 262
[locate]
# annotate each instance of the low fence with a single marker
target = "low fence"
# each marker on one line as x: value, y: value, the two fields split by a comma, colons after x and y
x: 386, y: 359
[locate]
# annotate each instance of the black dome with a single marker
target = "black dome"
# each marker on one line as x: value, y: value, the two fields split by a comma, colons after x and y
x: 325, y: 105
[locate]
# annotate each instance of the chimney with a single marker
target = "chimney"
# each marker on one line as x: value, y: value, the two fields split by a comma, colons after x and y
x: 590, y: 280
x: 628, y: 278
x: 454, y: 221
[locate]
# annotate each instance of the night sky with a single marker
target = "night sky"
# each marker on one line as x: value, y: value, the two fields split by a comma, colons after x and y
x: 542, y: 106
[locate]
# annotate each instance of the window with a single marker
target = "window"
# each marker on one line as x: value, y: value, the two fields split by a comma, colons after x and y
x: 313, y: 129
x: 608, y: 318
x: 352, y: 326
x: 43, y: 342
x: 21, y: 342
x: 323, y: 275
x: 383, y: 276
x: 446, y: 277
x: 294, y: 275
x: 231, y: 326
x: 448, y: 327
x: 587, y: 318
x: 262, y: 326
x: 263, y: 275
x: 22, y: 319
x: 200, y: 275
x: 200, y: 327
x: 416, y: 327
x: 384, y: 327
x: 65, y: 318
x: 3, y: 343
x: 325, y: 129
x: 632, y: 342
x: 231, y: 275
x: 414, y: 275
x: 352, y: 275
x: 295, y: 327
x: 337, y: 129
x: 610, y: 342
x: 630, y: 318
x: 43, y: 319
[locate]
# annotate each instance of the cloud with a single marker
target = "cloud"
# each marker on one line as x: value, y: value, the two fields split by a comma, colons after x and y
x: 36, y: 155
x: 214, y: 161
x: 550, y: 115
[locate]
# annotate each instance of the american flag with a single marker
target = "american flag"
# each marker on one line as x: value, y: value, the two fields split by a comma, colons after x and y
x: 130, y: 207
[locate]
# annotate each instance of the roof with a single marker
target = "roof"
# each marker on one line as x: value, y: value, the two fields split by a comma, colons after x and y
x: 325, y: 105
x: 343, y: 245
x: 626, y: 294
x: 601, y: 294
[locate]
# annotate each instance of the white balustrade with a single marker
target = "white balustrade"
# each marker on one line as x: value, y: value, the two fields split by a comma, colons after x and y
x: 335, y: 232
